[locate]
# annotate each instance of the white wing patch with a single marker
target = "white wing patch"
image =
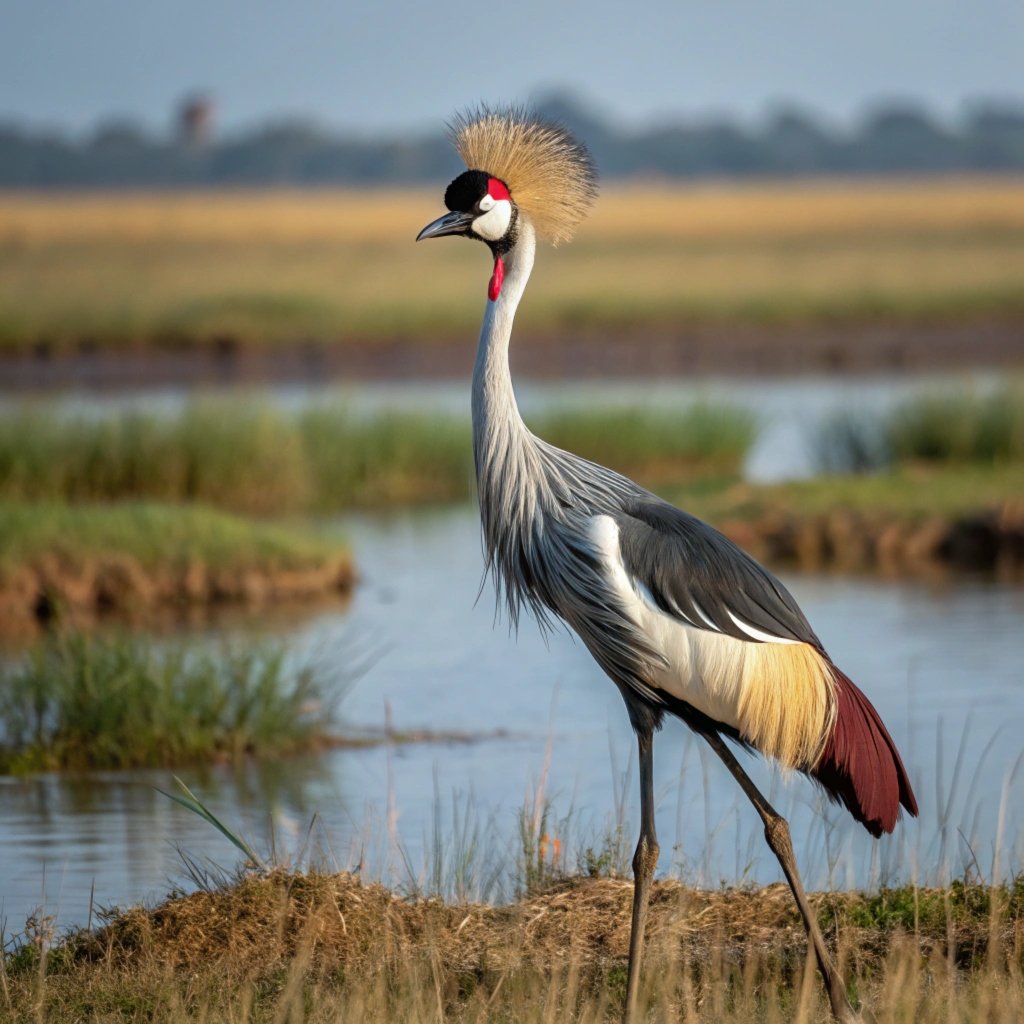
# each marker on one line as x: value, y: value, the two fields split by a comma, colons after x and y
x: 648, y: 598
x: 780, y: 705
x: 683, y: 647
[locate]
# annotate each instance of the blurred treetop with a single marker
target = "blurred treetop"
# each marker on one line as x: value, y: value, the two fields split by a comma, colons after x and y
x: 894, y: 138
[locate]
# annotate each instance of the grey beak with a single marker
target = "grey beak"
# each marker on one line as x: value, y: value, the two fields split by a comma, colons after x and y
x: 454, y: 223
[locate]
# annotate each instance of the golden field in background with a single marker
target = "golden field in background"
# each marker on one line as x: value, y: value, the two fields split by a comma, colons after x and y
x: 342, y: 266
x: 685, y: 212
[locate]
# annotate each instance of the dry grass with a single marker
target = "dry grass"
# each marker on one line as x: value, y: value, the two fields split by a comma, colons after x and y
x: 343, y: 266
x: 691, y: 213
x: 325, y: 947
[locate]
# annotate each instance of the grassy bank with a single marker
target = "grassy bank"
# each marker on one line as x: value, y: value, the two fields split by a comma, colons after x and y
x: 906, y: 521
x: 89, y: 703
x: 251, y: 457
x: 137, y: 557
x: 936, y: 482
x: 325, y: 947
x: 179, y: 269
x: 909, y: 494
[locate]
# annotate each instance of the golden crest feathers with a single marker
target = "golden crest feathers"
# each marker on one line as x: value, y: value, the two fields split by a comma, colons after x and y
x: 550, y: 175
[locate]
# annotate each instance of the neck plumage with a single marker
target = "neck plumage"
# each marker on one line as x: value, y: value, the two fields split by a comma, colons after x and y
x: 510, y: 478
x: 498, y: 429
x: 494, y: 400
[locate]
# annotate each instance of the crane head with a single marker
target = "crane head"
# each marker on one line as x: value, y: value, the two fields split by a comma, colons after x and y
x: 480, y: 206
x: 532, y: 169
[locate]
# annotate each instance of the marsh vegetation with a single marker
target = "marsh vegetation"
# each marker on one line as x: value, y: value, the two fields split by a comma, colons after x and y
x: 218, y: 501
x: 119, y: 701
x: 938, y: 428
x: 250, y: 456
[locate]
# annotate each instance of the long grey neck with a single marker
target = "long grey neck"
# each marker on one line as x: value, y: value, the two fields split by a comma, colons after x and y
x: 497, y: 425
x: 509, y: 473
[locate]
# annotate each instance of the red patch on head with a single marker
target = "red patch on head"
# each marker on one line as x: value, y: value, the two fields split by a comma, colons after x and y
x: 494, y: 288
x: 497, y: 189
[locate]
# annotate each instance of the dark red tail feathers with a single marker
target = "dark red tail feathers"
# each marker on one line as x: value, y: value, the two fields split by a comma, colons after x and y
x: 860, y: 766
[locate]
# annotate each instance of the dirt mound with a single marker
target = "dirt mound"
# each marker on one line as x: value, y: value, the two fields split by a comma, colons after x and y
x: 264, y: 922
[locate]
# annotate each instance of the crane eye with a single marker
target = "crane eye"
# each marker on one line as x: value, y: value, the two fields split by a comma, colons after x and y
x: 485, y: 203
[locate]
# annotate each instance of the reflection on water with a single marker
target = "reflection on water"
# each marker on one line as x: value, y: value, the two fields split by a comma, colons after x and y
x: 944, y: 667
x: 60, y: 836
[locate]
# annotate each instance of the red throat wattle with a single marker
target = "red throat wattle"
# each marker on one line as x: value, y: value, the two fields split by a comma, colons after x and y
x: 494, y: 288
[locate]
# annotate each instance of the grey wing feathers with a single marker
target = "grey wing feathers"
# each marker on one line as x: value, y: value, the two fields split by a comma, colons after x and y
x: 696, y: 574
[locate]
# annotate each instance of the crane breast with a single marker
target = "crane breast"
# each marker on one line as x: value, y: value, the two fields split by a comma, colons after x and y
x: 778, y: 693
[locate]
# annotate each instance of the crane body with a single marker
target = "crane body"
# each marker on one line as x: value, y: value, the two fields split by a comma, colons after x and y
x: 680, y: 619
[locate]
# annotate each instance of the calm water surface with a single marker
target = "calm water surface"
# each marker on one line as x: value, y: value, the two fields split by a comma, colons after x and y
x: 943, y: 665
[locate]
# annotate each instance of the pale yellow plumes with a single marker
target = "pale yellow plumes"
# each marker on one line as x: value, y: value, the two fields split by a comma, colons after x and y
x: 783, y: 694
x: 550, y: 175
x: 787, y: 702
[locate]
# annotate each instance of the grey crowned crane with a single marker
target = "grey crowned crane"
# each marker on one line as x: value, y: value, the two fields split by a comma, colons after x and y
x: 681, y: 620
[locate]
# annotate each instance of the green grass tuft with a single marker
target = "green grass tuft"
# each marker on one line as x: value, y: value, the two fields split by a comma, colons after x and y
x: 84, y: 703
x: 984, y: 429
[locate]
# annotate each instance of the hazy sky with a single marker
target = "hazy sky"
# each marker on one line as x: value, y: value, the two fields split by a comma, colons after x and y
x: 393, y: 66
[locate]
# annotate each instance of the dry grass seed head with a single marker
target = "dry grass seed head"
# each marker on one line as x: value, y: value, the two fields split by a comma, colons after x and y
x: 549, y: 173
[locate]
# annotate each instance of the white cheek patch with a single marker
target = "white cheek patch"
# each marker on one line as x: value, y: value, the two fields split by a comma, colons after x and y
x: 493, y: 224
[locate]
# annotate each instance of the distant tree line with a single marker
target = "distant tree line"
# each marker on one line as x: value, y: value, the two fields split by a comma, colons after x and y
x: 893, y: 139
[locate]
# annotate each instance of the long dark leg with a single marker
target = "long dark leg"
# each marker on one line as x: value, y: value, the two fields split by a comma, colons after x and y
x: 645, y: 859
x: 776, y: 831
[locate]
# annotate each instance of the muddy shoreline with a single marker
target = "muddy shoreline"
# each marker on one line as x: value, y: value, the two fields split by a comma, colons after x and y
x: 642, y: 352
x: 986, y: 541
x: 116, y: 586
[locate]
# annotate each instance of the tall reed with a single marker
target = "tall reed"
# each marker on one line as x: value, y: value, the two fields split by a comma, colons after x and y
x: 933, y: 428
x: 959, y: 428
x: 250, y: 456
